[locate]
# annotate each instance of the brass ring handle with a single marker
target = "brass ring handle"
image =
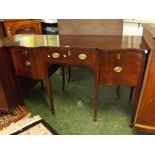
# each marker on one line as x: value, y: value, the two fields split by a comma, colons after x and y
x: 82, y: 56
x: 55, y: 55
x: 28, y: 63
x: 118, y: 69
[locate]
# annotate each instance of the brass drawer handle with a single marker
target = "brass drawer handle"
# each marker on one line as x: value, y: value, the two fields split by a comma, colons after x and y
x: 82, y: 56
x: 28, y: 63
x: 118, y: 69
x: 55, y: 55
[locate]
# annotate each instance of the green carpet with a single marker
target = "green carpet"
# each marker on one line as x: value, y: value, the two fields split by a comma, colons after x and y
x: 74, y: 106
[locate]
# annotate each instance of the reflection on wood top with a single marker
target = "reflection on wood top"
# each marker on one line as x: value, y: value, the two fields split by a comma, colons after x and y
x: 85, y: 41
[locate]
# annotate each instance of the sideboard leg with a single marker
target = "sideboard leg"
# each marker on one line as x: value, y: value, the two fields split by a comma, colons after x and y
x: 69, y: 75
x: 131, y: 93
x: 134, y: 101
x: 118, y: 91
x: 49, y: 91
x: 95, y: 101
x: 42, y: 84
x: 96, y: 88
x: 63, y: 78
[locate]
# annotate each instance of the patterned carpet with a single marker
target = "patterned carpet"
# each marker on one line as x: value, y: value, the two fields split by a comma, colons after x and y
x: 14, y: 115
x: 29, y: 125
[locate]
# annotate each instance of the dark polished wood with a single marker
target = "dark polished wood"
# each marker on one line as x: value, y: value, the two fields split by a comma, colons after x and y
x: 8, y: 91
x: 3, y: 100
x: 33, y: 55
x: 145, y: 116
x: 110, y: 59
x: 2, y: 31
x: 25, y: 26
x: 49, y: 91
x: 106, y: 42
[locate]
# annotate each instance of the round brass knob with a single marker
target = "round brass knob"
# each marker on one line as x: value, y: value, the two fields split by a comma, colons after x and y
x: 28, y: 63
x: 55, y: 55
x: 118, y: 69
x: 82, y: 56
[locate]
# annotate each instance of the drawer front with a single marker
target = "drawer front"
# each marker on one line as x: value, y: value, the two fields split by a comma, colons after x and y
x: 22, y: 61
x: 71, y: 56
x: 121, y: 67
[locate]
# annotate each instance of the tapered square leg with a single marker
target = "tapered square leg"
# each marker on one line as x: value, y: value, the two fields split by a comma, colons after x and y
x: 49, y: 92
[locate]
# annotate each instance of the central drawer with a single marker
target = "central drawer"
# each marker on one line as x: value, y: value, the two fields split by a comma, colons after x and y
x: 71, y: 56
x: 121, y: 67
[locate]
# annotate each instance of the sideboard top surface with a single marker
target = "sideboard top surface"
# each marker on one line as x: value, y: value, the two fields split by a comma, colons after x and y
x: 84, y: 41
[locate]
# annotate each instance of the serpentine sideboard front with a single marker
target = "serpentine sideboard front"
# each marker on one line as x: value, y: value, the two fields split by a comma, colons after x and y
x: 114, y: 60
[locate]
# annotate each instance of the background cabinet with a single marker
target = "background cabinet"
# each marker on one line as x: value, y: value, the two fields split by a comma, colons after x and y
x: 13, y: 27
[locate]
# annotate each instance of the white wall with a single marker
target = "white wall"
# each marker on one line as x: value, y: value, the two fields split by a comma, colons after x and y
x: 134, y: 26
x: 132, y: 29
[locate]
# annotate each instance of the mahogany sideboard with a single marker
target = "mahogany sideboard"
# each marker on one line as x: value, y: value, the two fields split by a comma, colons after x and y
x: 114, y: 60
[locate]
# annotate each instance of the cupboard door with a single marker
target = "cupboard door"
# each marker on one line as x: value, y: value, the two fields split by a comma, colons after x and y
x: 22, y: 61
x: 29, y: 62
x: 121, y: 67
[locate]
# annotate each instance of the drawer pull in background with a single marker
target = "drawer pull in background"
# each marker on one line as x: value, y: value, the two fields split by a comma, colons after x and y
x: 118, y: 69
x: 27, y: 63
x: 82, y: 56
x: 118, y: 56
x: 55, y: 55
x: 24, y: 52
